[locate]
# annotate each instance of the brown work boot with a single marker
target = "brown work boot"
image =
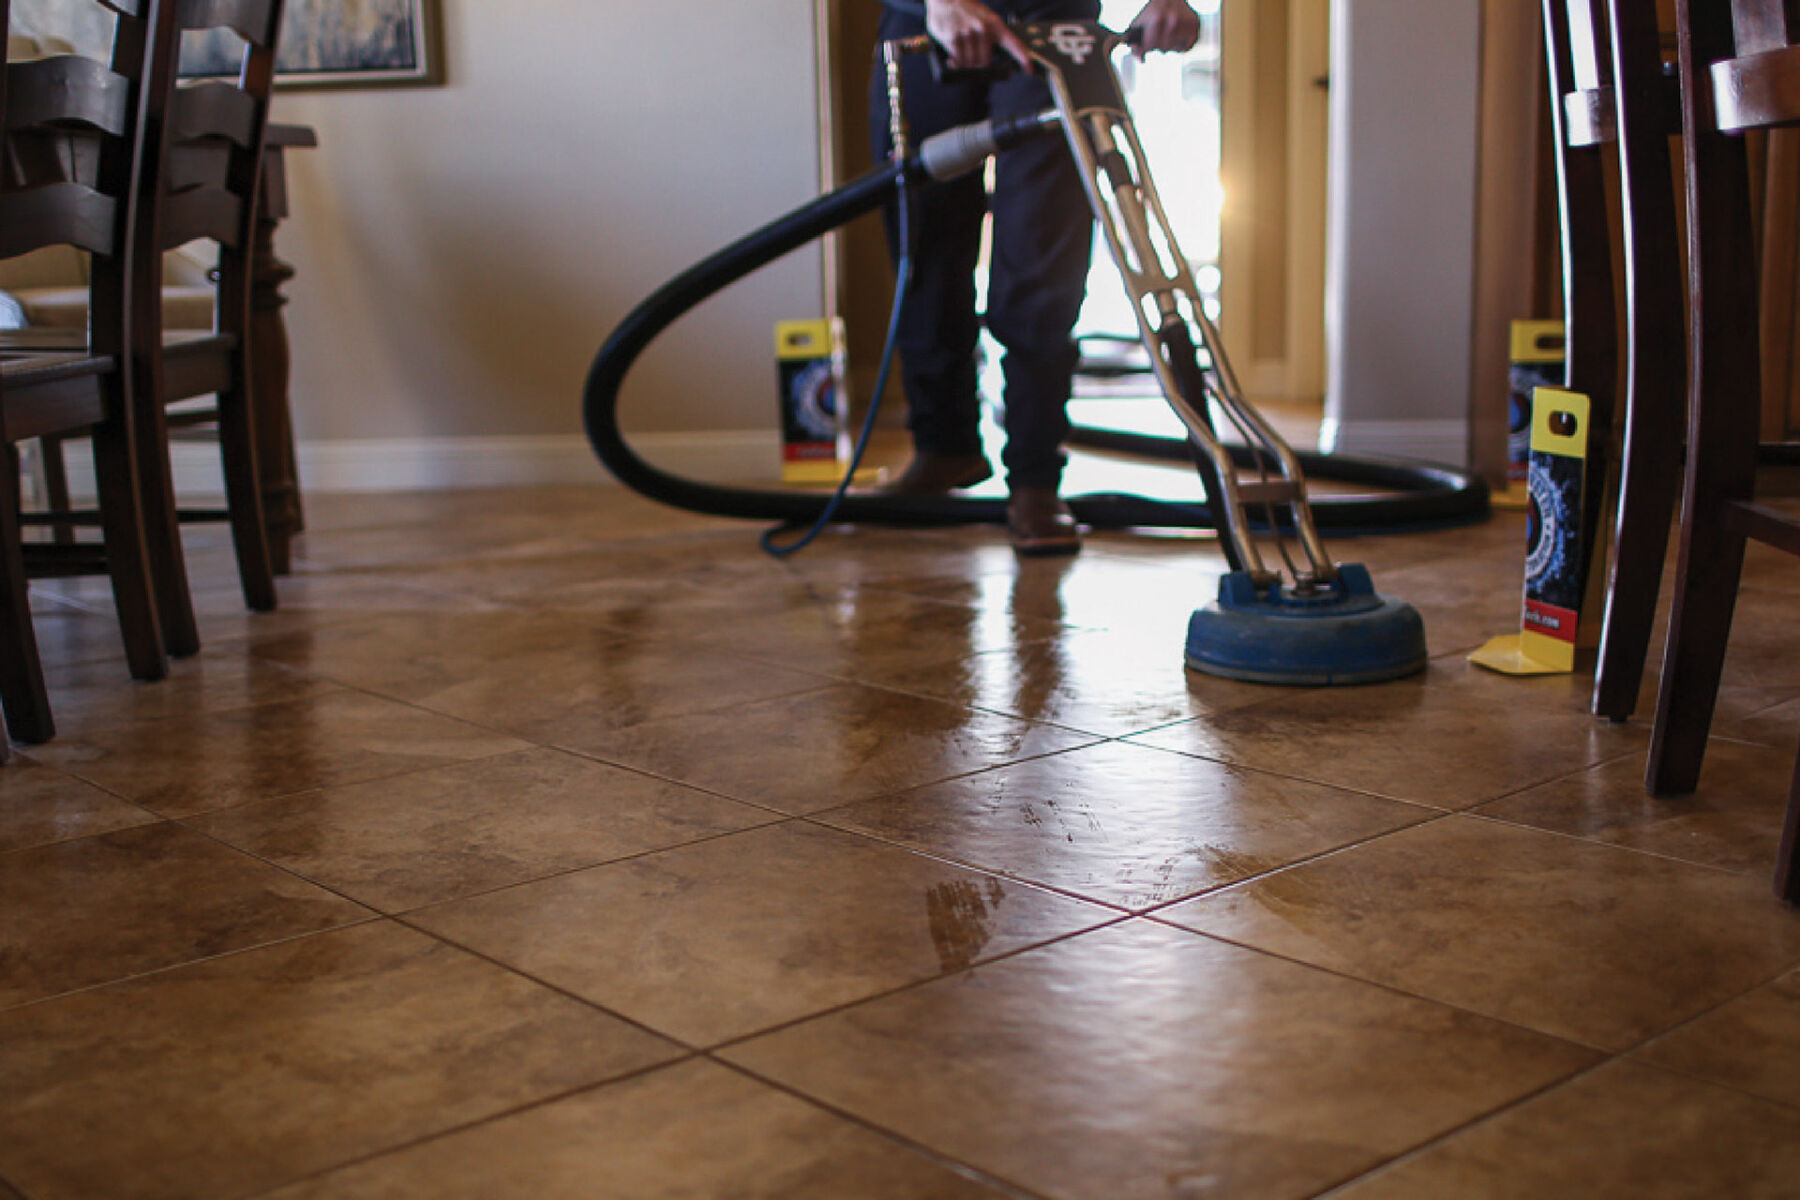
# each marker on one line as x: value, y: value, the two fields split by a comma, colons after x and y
x: 1040, y: 524
x: 933, y: 474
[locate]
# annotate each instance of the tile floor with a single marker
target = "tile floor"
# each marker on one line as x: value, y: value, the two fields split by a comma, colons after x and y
x: 552, y: 844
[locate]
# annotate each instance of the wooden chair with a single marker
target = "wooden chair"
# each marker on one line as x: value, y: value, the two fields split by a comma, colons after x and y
x: 201, y: 185
x: 86, y: 388
x: 1615, y: 91
x: 1740, y: 70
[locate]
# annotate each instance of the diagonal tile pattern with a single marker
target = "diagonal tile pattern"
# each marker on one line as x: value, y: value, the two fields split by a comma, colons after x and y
x: 1144, y: 1061
x: 438, y: 834
x: 548, y: 842
x: 1552, y: 933
x: 1124, y: 824
x: 1624, y: 1130
x: 712, y: 942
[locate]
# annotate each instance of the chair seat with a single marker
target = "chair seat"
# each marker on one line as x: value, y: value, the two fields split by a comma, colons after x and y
x: 54, y: 393
x: 22, y: 367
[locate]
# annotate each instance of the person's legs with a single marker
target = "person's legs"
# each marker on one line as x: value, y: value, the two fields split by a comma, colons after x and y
x: 1043, y: 242
x: 939, y: 327
x: 1042, y: 247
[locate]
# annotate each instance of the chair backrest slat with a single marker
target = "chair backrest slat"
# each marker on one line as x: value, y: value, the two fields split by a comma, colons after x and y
x: 67, y: 91
x: 209, y: 212
x: 59, y: 214
x: 215, y: 110
x: 252, y: 20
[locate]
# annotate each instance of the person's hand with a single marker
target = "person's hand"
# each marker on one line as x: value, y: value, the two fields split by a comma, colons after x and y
x: 1166, y: 25
x: 971, y: 32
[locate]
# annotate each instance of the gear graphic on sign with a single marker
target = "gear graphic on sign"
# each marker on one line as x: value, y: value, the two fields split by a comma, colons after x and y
x: 815, y: 402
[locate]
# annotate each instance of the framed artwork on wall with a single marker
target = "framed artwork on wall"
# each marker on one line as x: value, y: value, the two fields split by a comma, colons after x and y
x: 339, y: 44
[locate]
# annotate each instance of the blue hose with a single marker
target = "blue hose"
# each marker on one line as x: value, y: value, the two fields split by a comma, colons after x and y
x: 902, y: 282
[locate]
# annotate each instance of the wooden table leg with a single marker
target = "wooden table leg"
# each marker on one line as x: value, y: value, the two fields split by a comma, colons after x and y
x: 269, y: 358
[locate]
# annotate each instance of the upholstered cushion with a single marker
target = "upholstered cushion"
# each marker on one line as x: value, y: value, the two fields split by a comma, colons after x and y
x: 184, y: 307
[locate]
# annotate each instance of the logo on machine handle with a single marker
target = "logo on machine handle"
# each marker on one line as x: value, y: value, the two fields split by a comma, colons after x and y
x: 1073, y: 42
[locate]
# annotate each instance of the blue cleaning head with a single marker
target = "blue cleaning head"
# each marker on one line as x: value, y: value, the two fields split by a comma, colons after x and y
x: 1345, y: 633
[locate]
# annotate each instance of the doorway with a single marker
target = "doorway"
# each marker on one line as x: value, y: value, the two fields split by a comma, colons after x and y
x: 1235, y: 131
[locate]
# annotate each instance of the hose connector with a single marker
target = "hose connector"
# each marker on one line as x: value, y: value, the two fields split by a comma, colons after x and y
x: 960, y: 150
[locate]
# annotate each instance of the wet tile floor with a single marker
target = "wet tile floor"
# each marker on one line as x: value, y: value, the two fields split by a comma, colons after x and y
x: 548, y: 843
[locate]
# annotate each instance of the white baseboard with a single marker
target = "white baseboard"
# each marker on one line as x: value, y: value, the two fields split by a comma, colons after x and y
x: 1445, y: 442
x: 440, y: 464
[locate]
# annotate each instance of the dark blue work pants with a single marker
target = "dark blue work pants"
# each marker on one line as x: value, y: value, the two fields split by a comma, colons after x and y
x: 1042, y: 241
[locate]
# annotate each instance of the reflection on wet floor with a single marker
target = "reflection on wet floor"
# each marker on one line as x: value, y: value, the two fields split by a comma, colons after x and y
x: 552, y: 843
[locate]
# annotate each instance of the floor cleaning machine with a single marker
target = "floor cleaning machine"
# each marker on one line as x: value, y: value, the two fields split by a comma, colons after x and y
x: 1321, y: 622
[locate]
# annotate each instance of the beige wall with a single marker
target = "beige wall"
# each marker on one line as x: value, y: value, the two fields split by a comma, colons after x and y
x: 463, y: 250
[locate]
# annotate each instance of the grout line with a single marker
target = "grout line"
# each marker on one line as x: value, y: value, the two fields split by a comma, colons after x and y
x: 1448, y: 1135
x: 1391, y: 988
x: 372, y: 919
x: 967, y: 1170
x: 452, y: 1131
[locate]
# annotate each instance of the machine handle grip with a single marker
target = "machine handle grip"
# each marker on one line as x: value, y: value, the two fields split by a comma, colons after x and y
x: 1000, y: 67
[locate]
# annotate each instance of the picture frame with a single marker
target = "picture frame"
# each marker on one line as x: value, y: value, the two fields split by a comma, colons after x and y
x: 338, y: 44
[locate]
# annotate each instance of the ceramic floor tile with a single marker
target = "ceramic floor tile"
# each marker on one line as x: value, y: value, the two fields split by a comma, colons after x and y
x: 380, y: 652
x: 688, y: 1131
x: 815, y: 750
x: 1751, y: 1044
x: 1732, y: 821
x: 238, y: 1074
x: 1769, y: 569
x: 306, y: 599
x: 548, y: 677
x: 869, y: 632
x: 1777, y: 726
x: 1140, y: 1061
x: 1441, y: 738
x: 1575, y: 939
x: 102, y: 908
x: 622, y: 592
x: 1461, y: 608
x: 1107, y: 683
x: 181, y: 766
x: 1764, y: 631
x: 435, y: 835
x: 1572, y: 693
x: 39, y: 805
x: 719, y: 940
x: 1625, y: 1130
x: 90, y: 696
x: 67, y: 634
x: 1152, y: 599
x: 1126, y: 825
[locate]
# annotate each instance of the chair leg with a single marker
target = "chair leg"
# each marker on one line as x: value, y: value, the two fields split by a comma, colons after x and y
x: 127, y: 561
x: 243, y: 500
x: 1787, y: 861
x: 22, y: 691
x: 1646, y: 500
x: 162, y: 533
x: 1656, y: 398
x: 1693, y: 663
x: 56, y: 485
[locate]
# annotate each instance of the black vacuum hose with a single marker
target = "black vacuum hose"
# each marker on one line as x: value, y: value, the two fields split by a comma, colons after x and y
x: 1426, y: 496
